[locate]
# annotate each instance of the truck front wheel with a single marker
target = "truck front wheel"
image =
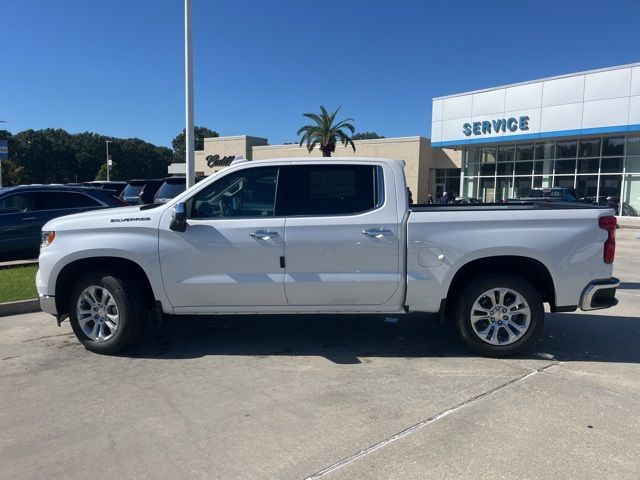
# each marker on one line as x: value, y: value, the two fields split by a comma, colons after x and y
x: 106, y: 311
x: 499, y: 315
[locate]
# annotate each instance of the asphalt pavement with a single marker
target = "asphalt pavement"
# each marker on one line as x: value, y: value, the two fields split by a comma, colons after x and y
x: 340, y: 397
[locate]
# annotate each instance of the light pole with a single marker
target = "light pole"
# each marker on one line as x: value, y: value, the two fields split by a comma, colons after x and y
x: 108, y: 142
x: 2, y: 156
x: 188, y: 77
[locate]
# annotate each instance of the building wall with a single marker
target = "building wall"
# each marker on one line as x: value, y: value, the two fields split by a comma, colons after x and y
x: 585, y: 103
x: 419, y: 157
x: 238, y: 146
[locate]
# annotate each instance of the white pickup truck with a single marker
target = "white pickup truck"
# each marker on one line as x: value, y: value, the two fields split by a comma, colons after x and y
x: 325, y: 236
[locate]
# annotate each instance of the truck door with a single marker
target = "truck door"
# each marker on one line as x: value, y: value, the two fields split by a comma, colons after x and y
x: 341, y: 235
x: 230, y: 253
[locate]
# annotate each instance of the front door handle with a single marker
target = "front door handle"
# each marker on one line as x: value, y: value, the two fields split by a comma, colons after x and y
x: 263, y: 234
x: 28, y: 218
x: 377, y: 233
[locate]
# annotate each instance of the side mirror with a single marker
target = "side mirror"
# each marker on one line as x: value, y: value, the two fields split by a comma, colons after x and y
x: 179, y: 217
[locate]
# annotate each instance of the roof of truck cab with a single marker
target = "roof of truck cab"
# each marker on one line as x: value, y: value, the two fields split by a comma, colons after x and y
x: 331, y: 159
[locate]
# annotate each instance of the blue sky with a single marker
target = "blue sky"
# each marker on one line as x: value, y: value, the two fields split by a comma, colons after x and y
x: 116, y: 67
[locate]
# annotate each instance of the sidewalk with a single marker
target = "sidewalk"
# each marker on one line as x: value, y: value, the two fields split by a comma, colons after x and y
x: 629, y: 222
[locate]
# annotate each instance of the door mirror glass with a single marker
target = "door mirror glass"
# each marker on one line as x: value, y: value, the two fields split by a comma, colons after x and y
x: 179, y: 217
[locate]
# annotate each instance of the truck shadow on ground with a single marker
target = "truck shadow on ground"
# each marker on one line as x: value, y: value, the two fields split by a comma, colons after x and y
x: 348, y: 339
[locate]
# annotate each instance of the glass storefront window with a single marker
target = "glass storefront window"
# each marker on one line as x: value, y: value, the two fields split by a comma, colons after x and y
x: 633, y: 164
x: 545, y: 150
x: 506, y: 154
x: 564, y: 181
x: 472, y: 155
x: 631, y: 203
x: 488, y: 169
x: 565, y: 166
x: 588, y: 165
x: 486, y: 190
x: 589, y: 148
x: 633, y: 146
x: 503, y: 189
x: 469, y: 187
x: 610, y: 185
x: 524, y: 152
x: 524, y: 168
x: 505, y: 168
x: 567, y: 149
x: 488, y: 155
x: 613, y: 146
x: 521, y: 186
x: 543, y: 167
x: 588, y: 185
x: 611, y: 165
x: 542, y: 182
x: 472, y: 169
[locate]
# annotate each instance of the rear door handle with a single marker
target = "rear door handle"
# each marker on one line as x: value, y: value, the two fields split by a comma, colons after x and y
x: 263, y: 234
x: 28, y: 218
x: 377, y: 233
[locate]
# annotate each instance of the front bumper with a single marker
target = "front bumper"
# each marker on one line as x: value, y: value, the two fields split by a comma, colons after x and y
x: 48, y: 304
x: 600, y: 294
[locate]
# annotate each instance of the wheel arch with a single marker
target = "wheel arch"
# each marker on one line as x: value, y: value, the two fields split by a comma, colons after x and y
x: 70, y: 273
x: 530, y: 269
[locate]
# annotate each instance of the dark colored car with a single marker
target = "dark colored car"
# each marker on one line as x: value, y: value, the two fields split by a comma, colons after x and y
x: 557, y: 194
x: 116, y: 186
x: 140, y: 192
x: 466, y: 200
x: 172, y: 187
x: 25, y: 209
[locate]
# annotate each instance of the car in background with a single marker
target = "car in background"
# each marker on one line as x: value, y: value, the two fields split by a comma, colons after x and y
x: 171, y: 187
x: 114, y: 185
x: 25, y: 209
x: 140, y: 191
x: 467, y: 200
x: 555, y: 194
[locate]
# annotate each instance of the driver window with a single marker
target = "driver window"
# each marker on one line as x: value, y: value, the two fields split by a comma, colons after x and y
x: 248, y: 193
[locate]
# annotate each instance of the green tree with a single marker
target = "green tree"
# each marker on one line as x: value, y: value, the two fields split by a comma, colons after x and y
x: 199, y: 133
x: 326, y: 132
x: 366, y: 136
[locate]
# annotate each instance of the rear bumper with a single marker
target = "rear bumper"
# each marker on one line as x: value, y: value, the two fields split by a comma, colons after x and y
x: 48, y: 304
x: 600, y: 294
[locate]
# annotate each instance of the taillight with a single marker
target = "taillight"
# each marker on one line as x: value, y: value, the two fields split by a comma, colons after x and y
x: 609, y: 224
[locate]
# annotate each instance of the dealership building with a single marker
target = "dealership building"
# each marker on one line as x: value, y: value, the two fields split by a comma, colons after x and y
x: 580, y: 130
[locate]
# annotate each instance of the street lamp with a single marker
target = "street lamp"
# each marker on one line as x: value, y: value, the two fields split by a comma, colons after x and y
x: 108, y: 157
x: 2, y: 155
x: 188, y: 78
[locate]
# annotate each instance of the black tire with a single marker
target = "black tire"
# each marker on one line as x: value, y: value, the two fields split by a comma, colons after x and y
x: 474, y: 290
x: 132, y: 311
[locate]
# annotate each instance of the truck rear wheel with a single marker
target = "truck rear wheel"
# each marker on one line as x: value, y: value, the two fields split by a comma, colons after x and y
x: 107, y: 311
x: 499, y: 315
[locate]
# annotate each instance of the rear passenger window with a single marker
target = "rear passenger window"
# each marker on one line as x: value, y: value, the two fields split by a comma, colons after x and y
x: 63, y: 200
x: 333, y: 189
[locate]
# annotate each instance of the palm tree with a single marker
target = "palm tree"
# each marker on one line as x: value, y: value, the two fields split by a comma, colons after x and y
x: 325, y: 132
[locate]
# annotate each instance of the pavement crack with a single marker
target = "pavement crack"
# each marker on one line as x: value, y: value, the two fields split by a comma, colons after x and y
x: 428, y: 421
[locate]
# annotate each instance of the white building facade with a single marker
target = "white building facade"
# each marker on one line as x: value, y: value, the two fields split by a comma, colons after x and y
x: 579, y: 130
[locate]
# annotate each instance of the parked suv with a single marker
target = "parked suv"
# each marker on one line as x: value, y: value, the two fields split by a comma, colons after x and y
x: 140, y: 192
x: 25, y: 209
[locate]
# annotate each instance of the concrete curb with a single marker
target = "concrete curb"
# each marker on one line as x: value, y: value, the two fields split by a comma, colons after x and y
x: 19, y: 307
x: 17, y: 263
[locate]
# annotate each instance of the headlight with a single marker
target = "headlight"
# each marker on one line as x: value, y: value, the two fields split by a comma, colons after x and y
x: 47, y: 238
